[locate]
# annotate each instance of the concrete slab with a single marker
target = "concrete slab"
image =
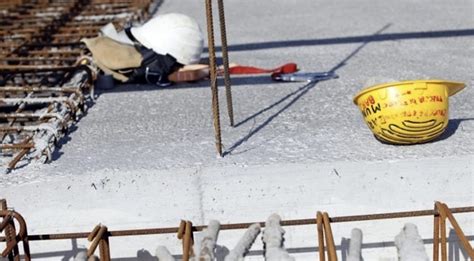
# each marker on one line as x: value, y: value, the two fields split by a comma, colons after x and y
x: 144, y: 156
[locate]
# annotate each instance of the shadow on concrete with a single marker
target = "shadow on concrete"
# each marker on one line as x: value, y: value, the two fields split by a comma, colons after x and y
x: 349, y: 40
x: 241, y: 81
x: 251, y: 81
x: 295, y: 95
x: 455, y: 250
x: 300, y: 92
x: 247, y: 80
x: 452, y: 127
x: 61, y: 255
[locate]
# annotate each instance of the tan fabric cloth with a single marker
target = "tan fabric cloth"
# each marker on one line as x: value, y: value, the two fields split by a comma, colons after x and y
x: 111, y: 55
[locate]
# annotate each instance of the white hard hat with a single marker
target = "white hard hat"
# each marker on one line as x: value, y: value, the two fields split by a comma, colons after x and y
x: 110, y: 31
x: 176, y: 34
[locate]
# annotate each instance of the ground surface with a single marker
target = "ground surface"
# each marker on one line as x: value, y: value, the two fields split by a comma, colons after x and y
x: 144, y: 156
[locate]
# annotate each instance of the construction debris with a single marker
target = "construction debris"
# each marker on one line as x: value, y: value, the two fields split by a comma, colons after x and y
x: 46, y: 82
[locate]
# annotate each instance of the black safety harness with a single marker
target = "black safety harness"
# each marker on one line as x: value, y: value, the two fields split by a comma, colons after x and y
x: 154, y: 68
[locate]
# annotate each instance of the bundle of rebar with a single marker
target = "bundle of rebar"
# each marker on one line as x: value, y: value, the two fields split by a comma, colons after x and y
x: 45, y: 81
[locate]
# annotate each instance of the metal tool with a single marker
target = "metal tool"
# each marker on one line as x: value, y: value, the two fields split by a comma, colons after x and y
x: 304, y: 77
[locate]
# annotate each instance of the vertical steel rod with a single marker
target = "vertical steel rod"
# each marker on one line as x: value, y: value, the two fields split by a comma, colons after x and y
x: 96, y: 238
x: 104, y: 248
x: 329, y: 238
x: 442, y: 213
x: 436, y: 225
x: 225, y: 60
x: 319, y: 222
x: 213, y: 77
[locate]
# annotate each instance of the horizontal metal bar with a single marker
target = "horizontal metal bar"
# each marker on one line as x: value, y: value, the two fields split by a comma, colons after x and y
x: 34, y: 68
x: 295, y: 222
x: 17, y: 146
x: 55, y: 52
x: 38, y: 89
x: 29, y: 128
x: 32, y: 100
x: 28, y: 115
x: 39, y: 59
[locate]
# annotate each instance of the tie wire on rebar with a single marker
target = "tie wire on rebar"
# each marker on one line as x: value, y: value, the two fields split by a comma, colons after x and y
x: 322, y: 221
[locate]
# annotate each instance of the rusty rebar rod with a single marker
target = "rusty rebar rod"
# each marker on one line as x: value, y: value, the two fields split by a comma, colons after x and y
x: 10, y: 234
x: 60, y: 52
x: 325, y: 234
x: 17, y: 158
x: 27, y: 147
x: 37, y: 89
x: 320, y: 232
x: 39, y: 59
x: 462, y: 237
x: 213, y: 77
x: 17, y: 146
x: 331, y: 247
x: 21, y: 236
x: 6, y: 220
x: 294, y: 222
x: 34, y: 68
x: 40, y: 89
x: 27, y: 128
x: 33, y: 100
x: 96, y: 237
x: 104, y: 248
x: 185, y: 234
x: 28, y: 115
x: 225, y: 60
x: 440, y: 230
x: 436, y: 224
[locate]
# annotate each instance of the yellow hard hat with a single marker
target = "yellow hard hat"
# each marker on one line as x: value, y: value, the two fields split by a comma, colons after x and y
x: 407, y: 112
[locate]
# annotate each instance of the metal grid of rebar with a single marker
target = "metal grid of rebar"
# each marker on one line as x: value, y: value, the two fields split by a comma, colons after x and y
x: 45, y: 82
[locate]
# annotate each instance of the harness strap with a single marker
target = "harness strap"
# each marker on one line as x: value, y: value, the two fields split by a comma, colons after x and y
x: 154, y: 67
x: 128, y: 32
x: 240, y: 69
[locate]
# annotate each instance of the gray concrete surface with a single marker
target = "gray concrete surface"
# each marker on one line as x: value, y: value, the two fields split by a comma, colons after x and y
x: 147, y: 127
x: 150, y: 152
